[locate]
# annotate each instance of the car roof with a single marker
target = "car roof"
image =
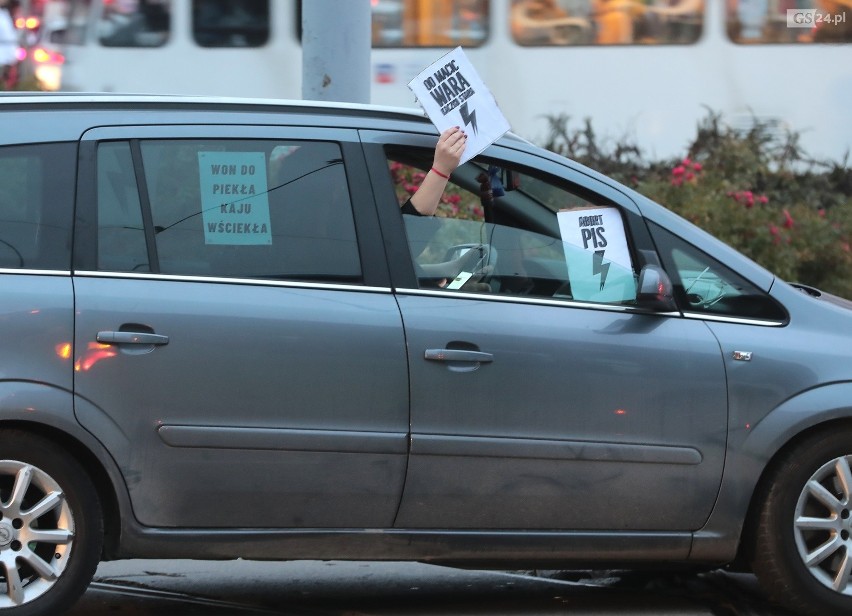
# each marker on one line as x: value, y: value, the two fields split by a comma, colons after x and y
x: 352, y: 114
x: 105, y: 98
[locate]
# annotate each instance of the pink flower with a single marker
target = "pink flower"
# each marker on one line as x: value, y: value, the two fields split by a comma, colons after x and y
x: 763, y: 199
x: 410, y: 189
x: 821, y: 212
x: 686, y: 162
x: 454, y: 199
x: 690, y: 176
x: 746, y: 197
x: 697, y: 167
x: 775, y: 232
x: 679, y: 170
x: 788, y: 220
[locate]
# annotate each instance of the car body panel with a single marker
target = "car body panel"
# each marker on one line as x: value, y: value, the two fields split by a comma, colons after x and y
x: 594, y: 415
x: 302, y: 420
x: 252, y: 365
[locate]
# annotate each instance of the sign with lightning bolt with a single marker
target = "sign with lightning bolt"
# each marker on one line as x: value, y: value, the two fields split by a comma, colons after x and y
x: 452, y: 93
x: 599, y: 265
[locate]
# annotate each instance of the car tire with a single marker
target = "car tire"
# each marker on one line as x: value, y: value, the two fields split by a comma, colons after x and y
x: 51, y: 529
x: 802, y: 549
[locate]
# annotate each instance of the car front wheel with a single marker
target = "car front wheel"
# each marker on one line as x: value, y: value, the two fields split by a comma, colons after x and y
x: 51, y: 528
x: 802, y: 552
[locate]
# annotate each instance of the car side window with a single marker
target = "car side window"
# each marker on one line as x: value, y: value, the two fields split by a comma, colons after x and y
x: 36, y: 206
x: 534, y: 237
x: 705, y: 286
x: 121, y: 233
x: 233, y: 208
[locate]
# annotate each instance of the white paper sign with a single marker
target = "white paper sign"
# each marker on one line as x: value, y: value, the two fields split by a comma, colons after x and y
x: 452, y: 94
x: 599, y: 265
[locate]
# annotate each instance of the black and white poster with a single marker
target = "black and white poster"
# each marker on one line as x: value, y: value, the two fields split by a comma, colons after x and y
x: 453, y: 94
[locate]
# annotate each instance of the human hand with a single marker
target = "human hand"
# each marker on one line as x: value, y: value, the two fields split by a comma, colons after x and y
x: 449, y: 150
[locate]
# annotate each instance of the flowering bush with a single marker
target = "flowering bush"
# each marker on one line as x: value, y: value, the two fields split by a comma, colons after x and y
x: 760, y: 194
x: 455, y: 202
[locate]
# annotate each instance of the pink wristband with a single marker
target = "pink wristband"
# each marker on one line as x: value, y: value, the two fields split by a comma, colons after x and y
x: 446, y: 177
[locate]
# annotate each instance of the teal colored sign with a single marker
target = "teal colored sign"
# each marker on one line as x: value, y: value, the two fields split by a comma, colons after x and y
x: 234, y: 198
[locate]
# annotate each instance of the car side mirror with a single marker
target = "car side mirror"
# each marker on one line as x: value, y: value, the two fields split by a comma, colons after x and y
x: 655, y: 290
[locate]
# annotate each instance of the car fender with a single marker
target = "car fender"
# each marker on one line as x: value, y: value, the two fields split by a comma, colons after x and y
x: 49, y: 409
x: 750, y: 452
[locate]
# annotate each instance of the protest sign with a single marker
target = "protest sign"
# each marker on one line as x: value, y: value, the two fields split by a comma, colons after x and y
x: 452, y: 94
x: 599, y: 265
x: 234, y: 198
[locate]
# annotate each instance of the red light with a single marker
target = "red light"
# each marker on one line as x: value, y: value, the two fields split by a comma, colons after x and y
x: 620, y: 412
x: 42, y: 55
x: 27, y: 23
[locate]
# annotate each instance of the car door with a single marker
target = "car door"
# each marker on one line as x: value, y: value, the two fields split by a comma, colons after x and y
x: 224, y: 311
x: 542, y: 402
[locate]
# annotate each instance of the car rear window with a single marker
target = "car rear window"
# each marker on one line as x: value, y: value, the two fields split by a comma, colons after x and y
x: 228, y: 208
x: 36, y: 206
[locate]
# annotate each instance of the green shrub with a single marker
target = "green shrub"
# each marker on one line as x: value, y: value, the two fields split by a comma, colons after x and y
x: 759, y: 192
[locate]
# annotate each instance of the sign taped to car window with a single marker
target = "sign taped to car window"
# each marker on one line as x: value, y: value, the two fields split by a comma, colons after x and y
x: 599, y: 265
x: 234, y: 198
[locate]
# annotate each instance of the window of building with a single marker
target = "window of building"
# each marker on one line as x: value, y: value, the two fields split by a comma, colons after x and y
x: 36, y: 206
x: 606, y: 22
x: 75, y: 30
x: 789, y: 21
x: 230, y: 23
x: 135, y: 23
x: 429, y: 23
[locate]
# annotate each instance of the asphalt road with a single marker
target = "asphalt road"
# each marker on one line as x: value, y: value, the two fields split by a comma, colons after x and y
x: 313, y: 588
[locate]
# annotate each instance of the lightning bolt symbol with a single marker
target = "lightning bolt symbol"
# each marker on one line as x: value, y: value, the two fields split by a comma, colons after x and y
x: 468, y: 118
x: 599, y: 267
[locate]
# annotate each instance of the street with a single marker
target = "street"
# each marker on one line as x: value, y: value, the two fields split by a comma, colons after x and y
x: 314, y: 588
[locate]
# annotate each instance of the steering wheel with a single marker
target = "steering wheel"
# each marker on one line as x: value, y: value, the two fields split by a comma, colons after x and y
x: 464, y: 264
x: 475, y: 264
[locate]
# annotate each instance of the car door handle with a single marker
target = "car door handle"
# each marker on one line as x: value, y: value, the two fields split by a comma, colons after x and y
x: 458, y: 355
x: 131, y: 338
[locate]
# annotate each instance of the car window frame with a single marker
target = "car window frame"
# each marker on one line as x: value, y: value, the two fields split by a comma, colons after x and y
x: 373, y: 266
x: 668, y: 241
x: 401, y: 263
x: 55, y: 217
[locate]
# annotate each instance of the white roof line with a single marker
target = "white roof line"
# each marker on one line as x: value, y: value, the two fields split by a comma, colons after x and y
x: 58, y: 97
x: 415, y: 113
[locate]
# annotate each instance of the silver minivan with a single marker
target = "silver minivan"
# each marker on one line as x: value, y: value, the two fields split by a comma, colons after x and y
x: 221, y: 338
